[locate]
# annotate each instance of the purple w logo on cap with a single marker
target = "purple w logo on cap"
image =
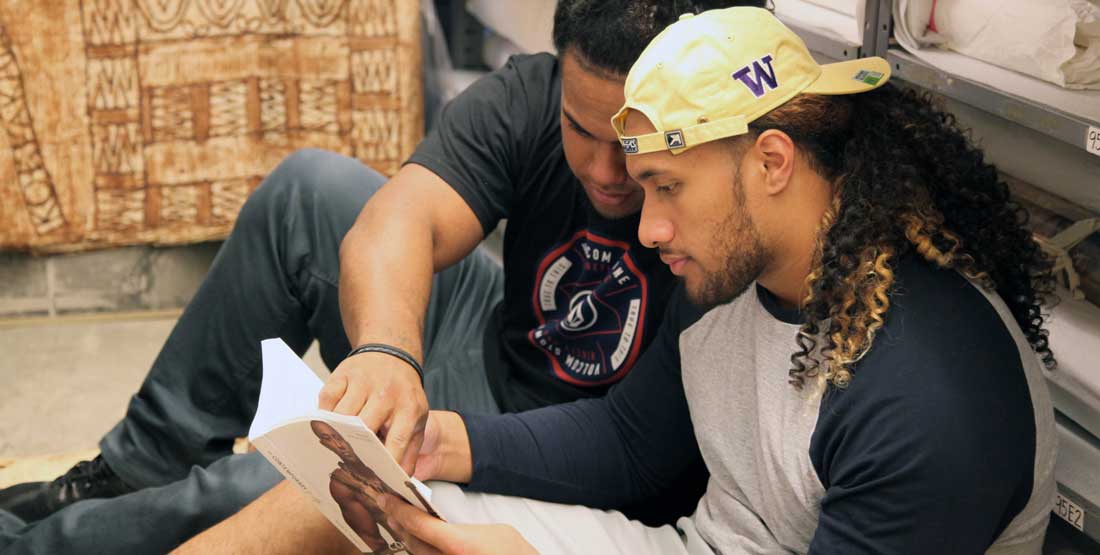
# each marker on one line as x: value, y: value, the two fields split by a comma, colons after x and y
x: 761, y: 80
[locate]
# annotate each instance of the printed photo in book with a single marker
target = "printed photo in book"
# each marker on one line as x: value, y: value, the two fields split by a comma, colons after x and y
x: 332, y: 458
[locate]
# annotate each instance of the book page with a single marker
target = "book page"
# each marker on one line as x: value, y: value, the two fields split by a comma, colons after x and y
x: 286, y: 392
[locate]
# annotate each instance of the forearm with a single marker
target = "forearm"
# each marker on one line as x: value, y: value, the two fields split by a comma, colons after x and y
x: 385, y: 277
x: 281, y: 521
x: 412, y: 227
x: 455, y: 463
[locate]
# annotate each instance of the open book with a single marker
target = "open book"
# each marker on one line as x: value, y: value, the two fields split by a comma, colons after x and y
x: 333, y: 458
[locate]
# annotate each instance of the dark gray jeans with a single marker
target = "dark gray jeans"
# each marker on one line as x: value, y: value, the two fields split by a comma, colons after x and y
x: 275, y: 276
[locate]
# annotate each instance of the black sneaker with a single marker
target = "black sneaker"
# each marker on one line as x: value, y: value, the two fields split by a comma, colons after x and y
x: 34, y: 501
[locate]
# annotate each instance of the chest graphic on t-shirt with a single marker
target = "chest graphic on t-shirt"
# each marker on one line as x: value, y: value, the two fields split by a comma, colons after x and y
x: 590, y: 300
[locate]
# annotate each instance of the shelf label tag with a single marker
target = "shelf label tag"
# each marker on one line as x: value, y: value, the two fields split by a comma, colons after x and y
x: 1069, y: 511
x: 1092, y: 140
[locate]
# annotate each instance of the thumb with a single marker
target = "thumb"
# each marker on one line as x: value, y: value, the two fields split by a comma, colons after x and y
x: 427, y: 528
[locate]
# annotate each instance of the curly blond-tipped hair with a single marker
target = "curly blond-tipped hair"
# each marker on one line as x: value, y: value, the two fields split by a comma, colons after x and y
x: 905, y: 180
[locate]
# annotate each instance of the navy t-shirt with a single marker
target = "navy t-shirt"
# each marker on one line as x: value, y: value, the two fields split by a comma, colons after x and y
x: 582, y: 297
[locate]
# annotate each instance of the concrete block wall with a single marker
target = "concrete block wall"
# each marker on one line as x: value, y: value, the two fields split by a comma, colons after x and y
x: 119, y: 279
x: 113, y: 280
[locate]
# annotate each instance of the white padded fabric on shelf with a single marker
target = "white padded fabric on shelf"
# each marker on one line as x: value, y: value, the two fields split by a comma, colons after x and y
x: 1075, y: 384
x: 1053, y: 40
x: 1078, y: 459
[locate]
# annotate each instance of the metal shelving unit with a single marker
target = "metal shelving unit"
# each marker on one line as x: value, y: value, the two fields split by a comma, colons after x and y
x: 1061, y: 125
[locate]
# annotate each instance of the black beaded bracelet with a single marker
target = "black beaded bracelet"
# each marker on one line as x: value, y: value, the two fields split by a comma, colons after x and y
x: 389, y: 350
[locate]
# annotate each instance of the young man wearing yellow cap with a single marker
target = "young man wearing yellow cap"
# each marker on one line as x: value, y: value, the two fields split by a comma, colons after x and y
x: 856, y: 349
x: 867, y: 379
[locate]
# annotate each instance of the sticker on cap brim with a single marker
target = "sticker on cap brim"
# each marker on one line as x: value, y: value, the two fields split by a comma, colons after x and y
x: 674, y: 139
x: 869, y: 77
x: 630, y: 145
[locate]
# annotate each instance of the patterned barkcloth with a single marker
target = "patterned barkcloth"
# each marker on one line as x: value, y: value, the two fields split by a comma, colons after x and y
x: 150, y: 121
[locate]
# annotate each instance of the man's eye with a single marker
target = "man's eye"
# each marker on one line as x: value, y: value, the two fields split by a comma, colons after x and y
x: 576, y: 129
x: 667, y: 189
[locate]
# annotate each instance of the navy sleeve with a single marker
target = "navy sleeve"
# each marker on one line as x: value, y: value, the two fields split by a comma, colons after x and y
x: 932, y: 447
x: 482, y: 140
x: 632, y: 444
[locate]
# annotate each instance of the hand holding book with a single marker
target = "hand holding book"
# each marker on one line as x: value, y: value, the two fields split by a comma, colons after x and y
x: 343, y: 467
x: 334, y: 458
x: 424, y: 535
x: 387, y: 394
x: 445, y: 453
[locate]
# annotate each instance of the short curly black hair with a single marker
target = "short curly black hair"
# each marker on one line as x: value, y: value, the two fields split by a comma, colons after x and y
x: 610, y: 34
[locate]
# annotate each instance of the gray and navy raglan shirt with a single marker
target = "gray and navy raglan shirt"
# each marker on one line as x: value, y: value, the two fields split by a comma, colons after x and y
x: 943, y: 442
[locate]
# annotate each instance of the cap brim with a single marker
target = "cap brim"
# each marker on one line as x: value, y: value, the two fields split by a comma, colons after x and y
x: 851, y: 77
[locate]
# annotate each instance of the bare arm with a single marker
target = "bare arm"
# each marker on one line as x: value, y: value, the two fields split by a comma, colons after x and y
x: 445, y: 453
x: 281, y: 522
x: 412, y: 227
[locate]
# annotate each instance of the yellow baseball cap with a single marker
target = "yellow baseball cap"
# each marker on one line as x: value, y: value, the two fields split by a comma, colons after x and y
x: 707, y: 76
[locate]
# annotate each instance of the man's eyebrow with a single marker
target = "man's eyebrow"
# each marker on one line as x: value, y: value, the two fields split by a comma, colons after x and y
x: 650, y: 174
x: 573, y: 121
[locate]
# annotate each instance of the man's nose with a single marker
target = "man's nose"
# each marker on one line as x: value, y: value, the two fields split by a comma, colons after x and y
x: 608, y: 165
x: 654, y: 228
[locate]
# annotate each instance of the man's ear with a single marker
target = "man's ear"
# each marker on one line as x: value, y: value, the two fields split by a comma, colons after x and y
x: 775, y: 157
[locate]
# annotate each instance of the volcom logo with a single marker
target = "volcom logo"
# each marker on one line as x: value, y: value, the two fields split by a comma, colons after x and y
x: 630, y: 145
x: 761, y: 79
x: 674, y: 139
x: 582, y: 313
x: 590, y: 305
